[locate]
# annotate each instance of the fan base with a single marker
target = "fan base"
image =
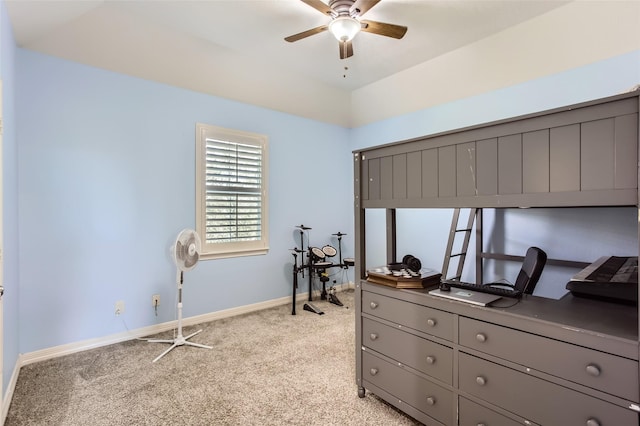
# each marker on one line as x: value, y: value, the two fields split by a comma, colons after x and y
x: 178, y: 341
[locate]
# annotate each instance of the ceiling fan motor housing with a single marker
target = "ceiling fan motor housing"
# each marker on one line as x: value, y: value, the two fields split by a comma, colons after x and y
x: 343, y: 8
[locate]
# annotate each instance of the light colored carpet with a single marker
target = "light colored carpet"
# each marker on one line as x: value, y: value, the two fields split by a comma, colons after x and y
x: 265, y: 368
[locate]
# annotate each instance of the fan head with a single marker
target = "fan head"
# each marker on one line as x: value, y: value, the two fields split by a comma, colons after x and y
x: 346, y: 22
x: 186, y: 250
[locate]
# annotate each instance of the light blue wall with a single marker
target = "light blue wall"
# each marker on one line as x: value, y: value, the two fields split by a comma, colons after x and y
x: 106, y: 181
x: 10, y: 199
x: 572, y: 234
x: 586, y: 83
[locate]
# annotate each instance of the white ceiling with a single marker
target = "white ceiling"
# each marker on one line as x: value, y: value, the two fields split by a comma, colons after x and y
x: 188, y: 43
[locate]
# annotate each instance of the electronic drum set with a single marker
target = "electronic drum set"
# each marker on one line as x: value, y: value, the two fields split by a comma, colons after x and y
x: 317, y: 263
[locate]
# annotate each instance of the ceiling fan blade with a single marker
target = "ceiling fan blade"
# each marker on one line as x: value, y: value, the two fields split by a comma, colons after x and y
x: 383, y: 29
x: 307, y: 33
x: 319, y: 5
x: 346, y: 49
x: 363, y: 6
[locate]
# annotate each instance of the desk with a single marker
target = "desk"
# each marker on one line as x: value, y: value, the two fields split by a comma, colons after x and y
x: 541, y: 360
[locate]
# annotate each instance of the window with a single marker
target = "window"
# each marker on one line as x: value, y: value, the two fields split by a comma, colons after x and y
x: 231, y: 192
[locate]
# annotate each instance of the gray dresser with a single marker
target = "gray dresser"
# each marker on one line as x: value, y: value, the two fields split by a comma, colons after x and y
x: 572, y: 361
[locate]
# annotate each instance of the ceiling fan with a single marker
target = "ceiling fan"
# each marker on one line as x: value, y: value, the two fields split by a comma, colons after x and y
x: 346, y: 22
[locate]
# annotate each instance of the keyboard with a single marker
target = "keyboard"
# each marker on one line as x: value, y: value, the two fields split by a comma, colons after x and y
x: 618, y: 269
x: 485, y: 288
x: 611, y: 278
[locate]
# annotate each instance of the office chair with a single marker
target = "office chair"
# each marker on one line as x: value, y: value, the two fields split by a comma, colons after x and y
x: 534, y: 261
x: 532, y: 266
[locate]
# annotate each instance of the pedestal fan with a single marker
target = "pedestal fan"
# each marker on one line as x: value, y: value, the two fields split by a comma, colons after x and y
x: 186, y: 252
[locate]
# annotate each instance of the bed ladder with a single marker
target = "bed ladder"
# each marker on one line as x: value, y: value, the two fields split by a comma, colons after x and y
x: 453, y: 235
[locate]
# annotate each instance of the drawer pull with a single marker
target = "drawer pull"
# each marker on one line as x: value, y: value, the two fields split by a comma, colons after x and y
x: 373, y: 305
x: 431, y: 322
x: 593, y: 370
x: 373, y: 371
x: 431, y: 400
x: 481, y: 380
x: 431, y: 359
x: 593, y: 422
x: 481, y: 337
x: 480, y: 424
x: 373, y: 336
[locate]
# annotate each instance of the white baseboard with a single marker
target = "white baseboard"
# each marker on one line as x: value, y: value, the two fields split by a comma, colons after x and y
x: 11, y: 387
x: 70, y: 348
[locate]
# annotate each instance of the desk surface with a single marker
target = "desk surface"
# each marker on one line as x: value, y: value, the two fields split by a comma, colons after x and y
x: 604, y: 326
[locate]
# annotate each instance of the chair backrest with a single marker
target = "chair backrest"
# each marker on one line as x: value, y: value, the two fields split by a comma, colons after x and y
x: 532, y: 266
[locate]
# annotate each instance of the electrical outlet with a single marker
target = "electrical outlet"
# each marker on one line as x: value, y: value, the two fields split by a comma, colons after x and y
x: 155, y: 300
x: 119, y: 307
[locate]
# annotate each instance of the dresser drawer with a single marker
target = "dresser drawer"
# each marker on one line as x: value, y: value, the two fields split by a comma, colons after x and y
x: 421, y: 394
x: 598, y: 370
x: 424, y: 355
x: 472, y: 414
x: 428, y: 320
x: 536, y: 399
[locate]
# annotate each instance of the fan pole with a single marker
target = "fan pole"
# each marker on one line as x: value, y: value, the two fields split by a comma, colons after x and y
x: 180, y: 339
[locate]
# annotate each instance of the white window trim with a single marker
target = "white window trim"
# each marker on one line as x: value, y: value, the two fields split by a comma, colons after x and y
x: 231, y: 249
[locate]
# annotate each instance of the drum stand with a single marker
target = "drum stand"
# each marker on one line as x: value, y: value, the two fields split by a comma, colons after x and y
x: 340, y: 235
x: 302, y: 229
x: 295, y: 280
x: 331, y: 295
x: 296, y: 270
x: 324, y: 277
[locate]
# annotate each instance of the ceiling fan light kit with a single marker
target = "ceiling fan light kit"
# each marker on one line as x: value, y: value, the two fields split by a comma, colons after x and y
x: 344, y: 28
x: 345, y: 23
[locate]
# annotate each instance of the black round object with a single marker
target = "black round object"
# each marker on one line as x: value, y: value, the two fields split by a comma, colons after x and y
x: 445, y: 286
x: 412, y: 262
